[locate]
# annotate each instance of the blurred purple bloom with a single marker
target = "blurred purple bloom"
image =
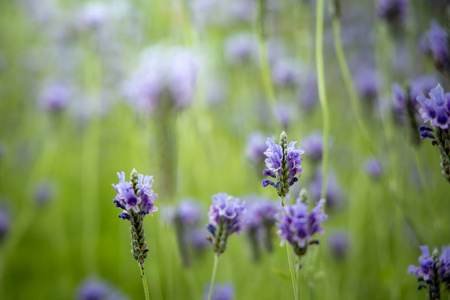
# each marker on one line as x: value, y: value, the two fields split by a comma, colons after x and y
x: 423, y: 84
x: 92, y: 15
x: 197, y: 238
x: 399, y: 96
x: 220, y: 292
x: 256, y: 144
x: 286, y: 73
x: 297, y: 225
x: 373, y: 168
x: 334, y: 192
x: 188, y: 212
x: 308, y: 94
x: 225, y: 218
x: 283, y: 113
x: 260, y: 212
x: 55, y: 97
x: 439, y: 45
x: 435, y: 109
x: 393, y: 11
x: 164, y: 74
x: 5, y: 223
x: 43, y: 193
x: 339, y: 243
x: 93, y: 290
x: 366, y: 83
x: 241, y: 48
x: 313, y: 145
x: 127, y: 199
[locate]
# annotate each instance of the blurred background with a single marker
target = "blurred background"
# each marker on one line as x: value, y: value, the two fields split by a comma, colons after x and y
x: 176, y: 89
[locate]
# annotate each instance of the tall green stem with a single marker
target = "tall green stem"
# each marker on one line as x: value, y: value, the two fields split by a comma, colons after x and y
x: 213, y: 276
x: 322, y: 93
x: 290, y: 260
x: 144, y: 281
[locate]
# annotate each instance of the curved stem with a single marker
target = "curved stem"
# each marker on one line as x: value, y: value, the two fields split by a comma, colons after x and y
x: 213, y: 276
x: 144, y: 281
x: 322, y: 93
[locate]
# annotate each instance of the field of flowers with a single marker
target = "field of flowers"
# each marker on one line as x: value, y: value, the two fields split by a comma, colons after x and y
x: 271, y: 149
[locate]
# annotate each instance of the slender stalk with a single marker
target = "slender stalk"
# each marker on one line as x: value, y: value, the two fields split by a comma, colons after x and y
x: 349, y: 85
x: 144, y: 281
x: 213, y: 276
x: 322, y: 93
x: 298, y: 279
x: 290, y: 260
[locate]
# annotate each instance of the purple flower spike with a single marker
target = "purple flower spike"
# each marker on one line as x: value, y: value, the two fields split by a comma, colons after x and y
x: 433, y: 270
x: 225, y: 218
x: 255, y: 147
x: 439, y: 46
x: 313, y: 145
x: 436, y: 108
x: 373, y: 168
x: 339, y: 244
x: 393, y: 11
x: 5, y: 223
x: 93, y: 290
x: 284, y: 161
x: 55, y: 97
x: 297, y: 225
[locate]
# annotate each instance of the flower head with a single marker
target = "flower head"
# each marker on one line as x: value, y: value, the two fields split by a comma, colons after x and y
x: 393, y: 11
x: 435, y: 109
x: 313, y: 145
x: 439, y: 46
x: 283, y: 163
x: 220, y: 292
x: 256, y: 145
x: 225, y: 218
x: 5, y: 223
x: 55, y: 97
x: 339, y: 243
x: 373, y: 168
x: 140, y: 200
x: 297, y: 225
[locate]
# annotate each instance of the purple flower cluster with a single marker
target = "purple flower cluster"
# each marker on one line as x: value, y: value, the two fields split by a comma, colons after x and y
x: 241, y: 48
x: 140, y: 200
x: 435, y: 109
x: 256, y: 144
x: 164, y: 74
x: 98, y: 290
x: 373, y: 168
x: 283, y: 163
x: 297, y: 225
x: 439, y: 45
x: 339, y: 244
x: 220, y: 292
x: 5, y: 223
x: 55, y: 97
x: 433, y: 269
x: 393, y: 11
x: 225, y: 218
x: 313, y: 145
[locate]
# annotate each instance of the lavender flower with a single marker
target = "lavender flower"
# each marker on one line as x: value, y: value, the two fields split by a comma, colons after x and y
x: 313, y: 145
x: 92, y: 290
x: 198, y: 240
x: 55, y: 97
x: 297, y: 226
x: 366, y: 83
x: 439, y: 45
x: 241, y: 48
x: 436, y: 110
x: 165, y: 76
x: 220, y: 292
x: 136, y: 198
x: 92, y: 15
x: 308, y: 95
x: 334, y: 192
x: 256, y: 144
x: 283, y: 163
x: 393, y: 11
x: 259, y: 221
x: 286, y: 73
x: 43, y: 193
x: 283, y: 113
x: 433, y: 271
x: 225, y: 218
x: 5, y: 223
x: 373, y: 168
x: 339, y: 243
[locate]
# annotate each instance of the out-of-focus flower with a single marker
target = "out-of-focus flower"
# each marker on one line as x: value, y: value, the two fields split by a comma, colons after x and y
x: 373, y: 168
x: 188, y: 212
x: 198, y: 239
x: 92, y: 15
x: 283, y: 163
x: 339, y: 243
x: 220, y: 292
x: 366, y: 83
x: 5, y: 223
x: 297, y: 225
x: 225, y: 218
x: 334, y: 191
x: 313, y: 145
x: 43, y: 193
x: 55, y: 97
x: 286, y: 73
x: 241, y: 48
x: 439, y: 45
x: 308, y: 94
x: 284, y: 115
x: 256, y: 144
x: 393, y: 11
x: 91, y: 289
x: 164, y: 74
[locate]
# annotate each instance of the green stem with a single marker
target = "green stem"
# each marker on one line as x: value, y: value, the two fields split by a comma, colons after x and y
x: 213, y: 276
x: 292, y: 270
x: 322, y: 93
x: 144, y: 281
x: 349, y: 85
x: 298, y: 278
